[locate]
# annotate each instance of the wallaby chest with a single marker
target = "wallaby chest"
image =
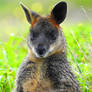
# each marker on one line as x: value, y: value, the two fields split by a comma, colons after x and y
x: 39, y: 82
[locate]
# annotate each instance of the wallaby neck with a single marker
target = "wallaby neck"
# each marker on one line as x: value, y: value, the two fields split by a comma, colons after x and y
x: 61, y: 56
x: 57, y: 57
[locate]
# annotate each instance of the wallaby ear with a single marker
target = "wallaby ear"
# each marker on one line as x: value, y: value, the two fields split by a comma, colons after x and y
x: 59, y: 12
x: 30, y: 15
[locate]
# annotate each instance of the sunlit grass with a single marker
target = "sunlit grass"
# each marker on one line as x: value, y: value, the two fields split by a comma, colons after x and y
x: 79, y: 47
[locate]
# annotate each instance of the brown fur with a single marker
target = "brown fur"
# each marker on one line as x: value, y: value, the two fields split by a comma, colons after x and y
x: 38, y: 83
x: 50, y: 19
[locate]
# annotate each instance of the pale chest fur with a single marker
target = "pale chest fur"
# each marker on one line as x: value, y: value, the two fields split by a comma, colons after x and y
x: 39, y: 82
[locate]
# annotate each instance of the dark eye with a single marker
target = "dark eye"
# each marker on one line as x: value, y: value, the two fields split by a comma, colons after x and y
x: 33, y: 35
x: 52, y: 35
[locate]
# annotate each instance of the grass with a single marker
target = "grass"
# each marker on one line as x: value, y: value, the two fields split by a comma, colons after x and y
x: 79, y: 53
x: 79, y: 43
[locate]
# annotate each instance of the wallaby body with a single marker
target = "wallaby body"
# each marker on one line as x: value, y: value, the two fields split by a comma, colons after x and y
x: 46, y: 68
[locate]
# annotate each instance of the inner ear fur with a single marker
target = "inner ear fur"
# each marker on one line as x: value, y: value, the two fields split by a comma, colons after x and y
x: 30, y: 15
x: 58, y: 13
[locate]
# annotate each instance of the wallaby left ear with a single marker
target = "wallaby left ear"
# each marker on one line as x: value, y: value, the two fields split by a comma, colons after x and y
x: 30, y: 15
x: 59, y: 12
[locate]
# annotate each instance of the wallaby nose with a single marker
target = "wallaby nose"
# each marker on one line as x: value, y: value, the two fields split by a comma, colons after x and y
x: 40, y: 50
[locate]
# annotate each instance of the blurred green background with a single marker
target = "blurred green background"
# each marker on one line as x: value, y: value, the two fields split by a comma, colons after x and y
x: 13, y: 34
x: 12, y: 17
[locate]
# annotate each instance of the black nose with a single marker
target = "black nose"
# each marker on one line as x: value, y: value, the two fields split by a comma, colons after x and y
x: 41, y: 50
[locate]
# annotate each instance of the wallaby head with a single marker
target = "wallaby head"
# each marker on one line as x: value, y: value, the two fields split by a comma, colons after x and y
x: 46, y: 36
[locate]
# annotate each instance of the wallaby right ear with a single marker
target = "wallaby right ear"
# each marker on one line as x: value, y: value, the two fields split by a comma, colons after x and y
x: 59, y: 12
x: 30, y: 15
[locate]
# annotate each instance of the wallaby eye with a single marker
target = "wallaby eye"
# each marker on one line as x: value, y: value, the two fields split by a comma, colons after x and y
x: 52, y: 35
x: 34, y: 35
